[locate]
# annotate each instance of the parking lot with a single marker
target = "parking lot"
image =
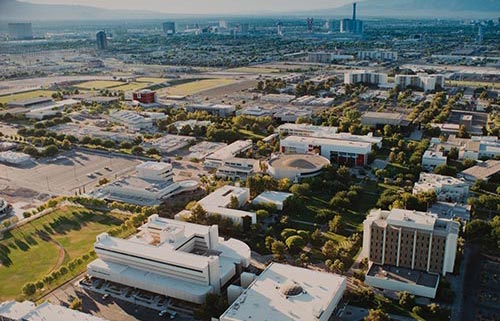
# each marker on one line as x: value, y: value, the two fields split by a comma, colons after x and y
x: 105, y: 303
x: 66, y: 174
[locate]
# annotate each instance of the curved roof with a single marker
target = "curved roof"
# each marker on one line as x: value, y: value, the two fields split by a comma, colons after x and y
x: 299, y: 162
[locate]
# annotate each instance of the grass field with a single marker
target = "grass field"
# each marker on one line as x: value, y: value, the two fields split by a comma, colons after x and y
x: 99, y: 84
x: 473, y: 83
x: 29, y: 252
x: 152, y: 80
x: 255, y: 70
x: 26, y: 95
x: 133, y: 86
x: 195, y: 87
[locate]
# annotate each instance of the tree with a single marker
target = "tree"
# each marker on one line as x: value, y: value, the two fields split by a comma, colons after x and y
x: 198, y: 214
x: 137, y: 150
x: 335, y: 224
x: 278, y: 249
x: 329, y: 249
x: 295, y: 243
x: 377, y: 315
x: 234, y: 203
x: 51, y: 150
x: 29, y: 288
x: 66, y: 144
x: 213, y: 307
x: 406, y: 300
x: 477, y: 230
x: 300, y: 189
x: 462, y: 132
x: 76, y: 304
x: 445, y: 170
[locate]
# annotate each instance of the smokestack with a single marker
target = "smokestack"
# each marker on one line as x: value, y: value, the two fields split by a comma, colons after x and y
x: 354, y: 11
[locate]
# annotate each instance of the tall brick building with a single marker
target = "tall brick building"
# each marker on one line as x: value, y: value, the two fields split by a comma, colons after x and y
x: 412, y: 240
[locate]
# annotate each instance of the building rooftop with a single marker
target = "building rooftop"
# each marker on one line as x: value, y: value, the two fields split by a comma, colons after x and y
x: 27, y: 311
x: 482, y: 170
x: 286, y: 293
x: 404, y: 275
x: 231, y: 150
x: 157, y: 166
x: 326, y: 141
x: 421, y: 220
x: 299, y: 162
x: 383, y: 115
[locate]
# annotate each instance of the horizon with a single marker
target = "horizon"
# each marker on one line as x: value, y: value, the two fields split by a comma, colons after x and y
x: 185, y: 7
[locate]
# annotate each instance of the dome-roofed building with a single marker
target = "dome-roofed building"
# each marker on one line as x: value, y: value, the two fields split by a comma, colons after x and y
x: 296, y: 166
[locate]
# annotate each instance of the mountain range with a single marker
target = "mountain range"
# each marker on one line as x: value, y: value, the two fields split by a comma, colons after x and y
x: 14, y: 10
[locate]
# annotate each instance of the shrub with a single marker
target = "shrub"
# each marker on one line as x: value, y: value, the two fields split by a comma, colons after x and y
x: 29, y: 288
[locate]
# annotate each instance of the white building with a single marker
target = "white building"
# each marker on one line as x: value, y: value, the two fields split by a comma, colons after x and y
x: 238, y: 168
x: 323, y: 57
x: 327, y: 132
x: 278, y: 98
x: 131, y: 120
x: 378, y: 55
x: 217, y: 158
x: 255, y: 111
x: 177, y: 259
x: 482, y: 171
x: 51, y: 109
x: 372, y: 118
x: 14, y: 158
x: 365, y: 77
x: 271, y: 197
x: 152, y: 184
x: 46, y: 311
x: 286, y: 293
x: 422, y: 81
x: 307, y: 130
x: 296, y: 166
x: 217, y: 203
x: 420, y: 244
x: 351, y: 153
x: 220, y: 110
x: 447, y: 188
x: 432, y: 159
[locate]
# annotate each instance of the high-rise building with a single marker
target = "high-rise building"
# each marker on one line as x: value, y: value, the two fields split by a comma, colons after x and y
x: 244, y: 28
x: 410, y: 239
x: 101, y: 40
x: 409, y: 250
x: 310, y: 24
x: 352, y: 25
x: 421, y: 81
x: 169, y: 28
x: 279, y: 26
x: 356, y: 77
x: 20, y: 31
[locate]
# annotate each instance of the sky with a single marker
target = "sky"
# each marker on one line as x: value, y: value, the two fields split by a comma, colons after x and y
x: 204, y: 6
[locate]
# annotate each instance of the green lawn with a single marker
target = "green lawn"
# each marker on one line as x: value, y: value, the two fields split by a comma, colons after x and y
x: 27, y: 255
x: 198, y: 86
x: 250, y: 134
x: 100, y: 84
x: 26, y: 95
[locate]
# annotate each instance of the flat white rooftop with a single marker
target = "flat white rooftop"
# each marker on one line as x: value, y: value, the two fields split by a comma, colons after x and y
x: 28, y: 311
x: 412, y: 219
x: 286, y: 293
x: 231, y: 150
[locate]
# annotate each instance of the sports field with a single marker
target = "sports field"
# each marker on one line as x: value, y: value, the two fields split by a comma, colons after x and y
x: 32, y: 251
x: 26, y: 95
x: 198, y: 86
